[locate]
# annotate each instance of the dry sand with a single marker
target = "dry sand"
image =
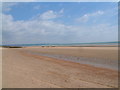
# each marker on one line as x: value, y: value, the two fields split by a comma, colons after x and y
x: 22, y: 69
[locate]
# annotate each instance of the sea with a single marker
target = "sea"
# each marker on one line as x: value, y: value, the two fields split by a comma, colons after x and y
x: 114, y: 43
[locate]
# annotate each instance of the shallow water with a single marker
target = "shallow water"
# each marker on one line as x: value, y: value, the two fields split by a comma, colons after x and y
x: 104, y: 63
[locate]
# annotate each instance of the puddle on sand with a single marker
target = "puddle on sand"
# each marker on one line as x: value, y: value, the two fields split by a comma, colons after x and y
x: 104, y: 63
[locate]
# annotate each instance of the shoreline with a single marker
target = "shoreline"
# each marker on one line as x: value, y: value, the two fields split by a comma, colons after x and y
x: 13, y: 46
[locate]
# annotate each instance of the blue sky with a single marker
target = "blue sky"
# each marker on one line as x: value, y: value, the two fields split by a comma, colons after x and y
x: 59, y: 22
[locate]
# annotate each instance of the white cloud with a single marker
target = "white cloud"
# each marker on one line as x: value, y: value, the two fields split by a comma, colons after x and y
x: 47, y: 31
x: 49, y: 15
x: 86, y: 17
x: 62, y: 10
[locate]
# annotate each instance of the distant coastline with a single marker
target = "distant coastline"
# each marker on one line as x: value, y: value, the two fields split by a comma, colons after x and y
x: 92, y: 44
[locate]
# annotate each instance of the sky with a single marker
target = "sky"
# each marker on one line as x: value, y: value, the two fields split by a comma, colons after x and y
x: 59, y: 22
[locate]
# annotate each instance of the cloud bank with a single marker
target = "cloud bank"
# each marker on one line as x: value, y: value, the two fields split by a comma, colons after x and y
x: 46, y: 31
x: 43, y: 28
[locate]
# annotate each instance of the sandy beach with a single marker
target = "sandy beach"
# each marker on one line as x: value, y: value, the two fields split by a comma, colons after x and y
x: 1, y: 67
x: 60, y: 67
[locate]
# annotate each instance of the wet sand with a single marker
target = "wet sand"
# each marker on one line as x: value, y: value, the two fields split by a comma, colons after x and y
x: 23, y: 69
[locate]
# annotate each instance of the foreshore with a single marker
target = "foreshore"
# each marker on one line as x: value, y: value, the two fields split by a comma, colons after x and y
x: 47, y: 67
